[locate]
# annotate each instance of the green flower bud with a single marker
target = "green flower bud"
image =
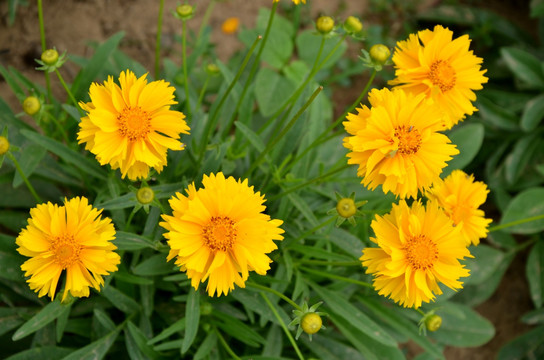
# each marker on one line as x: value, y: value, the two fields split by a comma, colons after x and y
x: 185, y: 11
x: 145, y: 195
x: 433, y: 322
x: 31, y: 105
x: 50, y: 57
x: 4, y: 145
x: 379, y: 53
x: 206, y: 308
x: 324, y: 24
x: 352, y: 25
x: 346, y: 207
x: 311, y: 323
x: 212, y: 69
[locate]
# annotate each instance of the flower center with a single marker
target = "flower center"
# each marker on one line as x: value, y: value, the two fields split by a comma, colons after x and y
x: 442, y: 75
x: 409, y: 139
x: 134, y: 123
x: 220, y: 233
x: 421, y: 252
x: 65, y: 250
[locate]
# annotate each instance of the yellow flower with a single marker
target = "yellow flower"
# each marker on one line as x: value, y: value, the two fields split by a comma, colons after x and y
x: 131, y: 126
x: 418, y: 248
x: 219, y: 233
x: 230, y: 25
x: 396, y: 143
x: 443, y: 69
x: 460, y: 196
x: 296, y: 2
x: 71, y: 237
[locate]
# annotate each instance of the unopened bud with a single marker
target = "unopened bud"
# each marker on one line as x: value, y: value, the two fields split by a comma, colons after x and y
x: 324, y: 24
x: 4, y: 145
x: 31, y: 105
x: 433, y: 322
x: 311, y: 323
x: 145, y: 195
x: 185, y: 11
x: 346, y: 207
x: 212, y: 69
x: 352, y: 25
x: 380, y: 53
x: 50, y: 57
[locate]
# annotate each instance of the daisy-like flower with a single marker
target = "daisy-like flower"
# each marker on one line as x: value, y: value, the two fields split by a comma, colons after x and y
x: 460, y: 197
x: 396, y: 143
x: 296, y: 2
x: 131, y: 126
x: 71, y: 237
x: 442, y: 68
x: 418, y: 248
x: 219, y: 233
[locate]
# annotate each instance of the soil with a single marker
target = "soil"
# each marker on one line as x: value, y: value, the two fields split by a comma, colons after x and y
x: 72, y: 24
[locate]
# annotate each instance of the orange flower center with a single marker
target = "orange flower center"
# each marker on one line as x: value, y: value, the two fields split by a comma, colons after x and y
x: 220, y: 233
x: 409, y: 139
x: 421, y: 252
x: 65, y: 250
x: 134, y: 123
x: 442, y: 75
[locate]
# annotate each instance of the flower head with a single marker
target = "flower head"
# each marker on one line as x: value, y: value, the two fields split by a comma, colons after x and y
x: 442, y: 68
x: 230, y: 25
x: 219, y: 233
x: 296, y: 2
x: 460, y: 197
x: 71, y: 237
x: 418, y: 248
x: 131, y: 126
x: 396, y: 143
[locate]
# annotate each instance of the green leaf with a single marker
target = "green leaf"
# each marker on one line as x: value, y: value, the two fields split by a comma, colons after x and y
x: 252, y: 136
x: 192, y: 318
x: 346, y: 241
x: 131, y: 279
x: 46, y: 315
x: 10, y: 318
x: 118, y: 299
x: 104, y: 320
x: 155, y: 265
x: 496, y: 116
x: 527, y: 346
x: 31, y: 156
x: 88, y: 166
x: 272, y: 90
x: 237, y: 329
x: 84, y: 78
x: 469, y: 139
x: 45, y: 352
x: 178, y: 326
x: 526, y: 204
x: 209, y: 343
x: 522, y: 153
x: 534, y: 270
x: 533, y: 317
x: 11, y: 266
x: 95, y: 350
x: 141, y: 341
x: 537, y: 8
x: 303, y: 207
x: 344, y: 309
x: 525, y: 66
x: 327, y: 348
x: 128, y: 241
x: 308, y: 43
x: 462, y: 326
x: 485, y: 263
x: 61, y: 322
x: 533, y: 113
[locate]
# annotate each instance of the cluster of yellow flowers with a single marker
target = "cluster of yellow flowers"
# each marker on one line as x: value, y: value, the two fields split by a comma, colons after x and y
x: 397, y: 143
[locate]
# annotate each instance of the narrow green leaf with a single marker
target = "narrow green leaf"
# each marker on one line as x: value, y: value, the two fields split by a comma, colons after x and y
x: 524, y: 65
x: 533, y: 113
x: 525, y: 149
x: 303, y: 207
x: 485, y: 263
x: 527, y: 346
x: 253, y: 137
x: 11, y: 266
x: 469, y: 139
x: 31, y: 156
x: 496, y: 116
x: 308, y: 43
x: 209, y: 343
x: 46, y: 315
x: 118, y: 299
x: 192, y: 318
x: 178, y: 326
x: 128, y: 241
x: 104, y: 320
x: 326, y: 348
x: 95, y: 350
x: 45, y: 352
x: 10, y: 318
x: 62, y: 321
x: 155, y: 265
x: 533, y: 317
x: 272, y: 90
x: 132, y: 279
x: 535, y: 273
x: 238, y: 330
x: 527, y: 204
x: 141, y: 341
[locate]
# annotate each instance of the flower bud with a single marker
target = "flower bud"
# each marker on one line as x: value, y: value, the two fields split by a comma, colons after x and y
x: 145, y: 195
x: 4, y: 145
x: 324, y: 24
x: 352, y: 25
x: 230, y: 25
x: 212, y: 69
x: 31, y: 105
x: 185, y: 11
x: 50, y: 57
x: 311, y: 323
x: 433, y: 322
x: 206, y: 308
x: 379, y: 53
x: 346, y: 207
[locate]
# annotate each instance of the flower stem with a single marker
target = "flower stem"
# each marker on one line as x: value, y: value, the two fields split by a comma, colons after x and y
x: 517, y: 222
x: 205, y: 19
x: 44, y: 47
x: 274, y: 141
x: 202, y: 92
x: 225, y: 344
x: 59, y: 126
x: 28, y: 184
x: 336, y: 277
x: 314, y: 229
x: 158, y: 41
x: 70, y: 95
x: 283, y: 326
x: 185, y: 77
x: 275, y: 292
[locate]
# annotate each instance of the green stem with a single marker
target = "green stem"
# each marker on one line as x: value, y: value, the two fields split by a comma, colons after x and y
x: 522, y: 246
x: 28, y: 184
x: 205, y: 19
x: 420, y: 311
x: 254, y: 67
x: 202, y: 92
x: 274, y: 141
x: 185, y: 77
x: 58, y: 125
x: 316, y: 179
x: 158, y: 41
x: 44, y: 47
x: 225, y: 344
x: 314, y: 229
x: 336, y: 277
x: 517, y: 222
x: 70, y: 95
x: 127, y: 225
x: 283, y: 326
x: 275, y: 292
x: 213, y: 117
x: 333, y: 263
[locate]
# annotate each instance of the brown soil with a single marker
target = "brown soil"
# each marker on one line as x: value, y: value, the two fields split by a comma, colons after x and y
x: 71, y: 24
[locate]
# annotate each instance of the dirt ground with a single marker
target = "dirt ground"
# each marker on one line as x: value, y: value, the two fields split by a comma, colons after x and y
x: 71, y: 24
